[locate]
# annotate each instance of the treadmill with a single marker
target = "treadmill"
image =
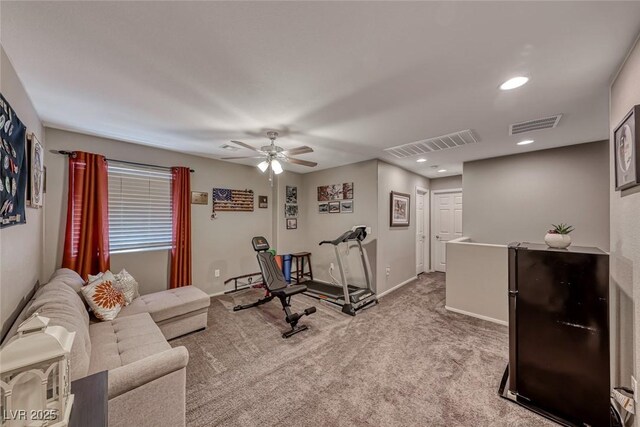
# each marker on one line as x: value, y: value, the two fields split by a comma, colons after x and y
x: 349, y: 298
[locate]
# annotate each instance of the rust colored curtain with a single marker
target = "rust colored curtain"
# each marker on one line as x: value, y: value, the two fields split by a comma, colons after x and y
x: 86, y: 242
x: 181, y: 245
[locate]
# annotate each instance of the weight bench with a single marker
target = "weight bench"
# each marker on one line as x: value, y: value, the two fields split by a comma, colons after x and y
x: 276, y: 287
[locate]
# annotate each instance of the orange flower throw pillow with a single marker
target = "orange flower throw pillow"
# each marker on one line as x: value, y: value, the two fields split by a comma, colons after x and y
x: 105, y: 300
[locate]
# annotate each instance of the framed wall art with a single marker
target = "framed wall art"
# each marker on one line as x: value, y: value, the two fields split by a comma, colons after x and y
x: 290, y: 211
x: 334, y: 207
x: 199, y: 198
x: 328, y: 193
x: 626, y: 146
x: 292, y: 223
x: 13, y: 166
x: 346, y: 206
x: 227, y: 200
x: 35, y: 177
x: 291, y: 196
x: 323, y: 208
x: 263, y: 202
x: 400, y: 209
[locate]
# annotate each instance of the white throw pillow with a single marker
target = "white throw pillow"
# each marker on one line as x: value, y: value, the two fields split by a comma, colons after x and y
x: 105, y: 300
x: 94, y: 278
x: 127, y: 285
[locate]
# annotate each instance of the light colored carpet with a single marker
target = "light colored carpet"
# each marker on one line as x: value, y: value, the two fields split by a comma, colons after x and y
x: 405, y: 362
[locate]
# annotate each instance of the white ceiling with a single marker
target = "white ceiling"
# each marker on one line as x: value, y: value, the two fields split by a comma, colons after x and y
x: 348, y: 79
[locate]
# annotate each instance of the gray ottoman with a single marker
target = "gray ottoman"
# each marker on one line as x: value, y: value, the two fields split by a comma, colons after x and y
x: 176, y: 311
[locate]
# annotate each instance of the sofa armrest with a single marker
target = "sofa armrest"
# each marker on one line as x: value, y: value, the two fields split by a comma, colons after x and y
x: 140, y: 372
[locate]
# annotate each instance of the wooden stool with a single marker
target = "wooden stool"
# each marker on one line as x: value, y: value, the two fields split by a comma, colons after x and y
x: 299, y: 274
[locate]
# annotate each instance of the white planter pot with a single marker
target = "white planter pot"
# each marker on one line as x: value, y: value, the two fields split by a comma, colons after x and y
x: 558, y: 241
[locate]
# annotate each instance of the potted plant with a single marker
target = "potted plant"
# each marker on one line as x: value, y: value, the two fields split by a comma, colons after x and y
x: 558, y: 237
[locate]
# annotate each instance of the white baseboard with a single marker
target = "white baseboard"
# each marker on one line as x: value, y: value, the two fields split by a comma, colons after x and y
x: 398, y: 286
x: 478, y: 316
x: 217, y: 294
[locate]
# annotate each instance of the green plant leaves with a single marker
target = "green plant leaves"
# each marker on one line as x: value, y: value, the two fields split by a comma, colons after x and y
x: 562, y: 228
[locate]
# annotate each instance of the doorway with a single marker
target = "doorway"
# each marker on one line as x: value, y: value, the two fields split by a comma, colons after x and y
x: 422, y: 227
x: 446, y: 224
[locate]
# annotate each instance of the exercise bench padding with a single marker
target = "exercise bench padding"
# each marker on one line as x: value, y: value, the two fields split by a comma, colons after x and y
x: 277, y: 287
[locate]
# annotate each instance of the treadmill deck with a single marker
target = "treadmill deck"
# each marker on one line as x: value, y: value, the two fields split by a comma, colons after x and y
x: 327, y: 289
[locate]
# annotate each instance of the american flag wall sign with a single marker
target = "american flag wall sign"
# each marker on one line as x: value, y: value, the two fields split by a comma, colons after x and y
x: 226, y: 200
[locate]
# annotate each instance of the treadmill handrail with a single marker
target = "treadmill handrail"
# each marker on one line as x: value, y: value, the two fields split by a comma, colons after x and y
x: 346, y: 237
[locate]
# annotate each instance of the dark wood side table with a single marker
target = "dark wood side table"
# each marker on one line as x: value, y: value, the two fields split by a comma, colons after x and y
x: 90, y: 401
x: 300, y: 259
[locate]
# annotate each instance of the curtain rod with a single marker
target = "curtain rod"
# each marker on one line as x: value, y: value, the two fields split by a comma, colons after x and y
x: 72, y: 153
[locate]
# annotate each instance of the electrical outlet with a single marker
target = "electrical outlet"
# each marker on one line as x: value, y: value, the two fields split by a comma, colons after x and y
x: 217, y: 273
x: 388, y: 270
x: 634, y: 387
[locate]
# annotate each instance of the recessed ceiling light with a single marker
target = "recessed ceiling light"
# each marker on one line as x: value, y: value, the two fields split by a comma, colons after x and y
x: 514, y: 83
x: 421, y: 160
x: 525, y: 142
x: 441, y: 170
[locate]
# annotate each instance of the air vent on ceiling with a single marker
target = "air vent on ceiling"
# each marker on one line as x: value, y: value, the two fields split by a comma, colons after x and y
x: 531, y: 125
x: 438, y: 143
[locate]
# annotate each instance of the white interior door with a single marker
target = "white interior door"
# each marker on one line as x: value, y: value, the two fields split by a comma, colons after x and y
x: 447, y: 225
x: 421, y: 230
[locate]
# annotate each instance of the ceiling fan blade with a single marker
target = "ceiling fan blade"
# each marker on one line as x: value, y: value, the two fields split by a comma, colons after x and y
x: 301, y: 162
x: 242, y: 144
x: 242, y: 157
x: 298, y: 150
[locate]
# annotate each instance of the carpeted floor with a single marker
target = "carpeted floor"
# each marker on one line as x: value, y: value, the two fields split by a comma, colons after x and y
x: 405, y: 362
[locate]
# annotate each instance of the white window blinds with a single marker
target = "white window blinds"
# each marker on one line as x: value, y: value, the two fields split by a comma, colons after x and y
x: 139, y: 208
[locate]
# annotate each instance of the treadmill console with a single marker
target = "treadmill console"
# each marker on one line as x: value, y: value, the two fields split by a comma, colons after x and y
x: 260, y: 244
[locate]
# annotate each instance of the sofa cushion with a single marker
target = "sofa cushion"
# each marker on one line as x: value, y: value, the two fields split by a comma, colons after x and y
x: 62, y: 305
x: 168, y: 304
x: 123, y: 341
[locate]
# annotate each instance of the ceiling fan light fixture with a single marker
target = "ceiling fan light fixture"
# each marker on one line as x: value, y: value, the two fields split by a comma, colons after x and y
x: 276, y: 166
x: 263, y: 166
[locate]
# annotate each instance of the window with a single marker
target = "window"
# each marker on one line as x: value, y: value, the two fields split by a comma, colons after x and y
x: 139, y: 208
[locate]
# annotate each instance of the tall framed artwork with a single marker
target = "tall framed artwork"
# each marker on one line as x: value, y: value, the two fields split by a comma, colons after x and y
x: 400, y: 209
x: 291, y: 195
x: 626, y: 146
x: 13, y: 166
x: 35, y: 176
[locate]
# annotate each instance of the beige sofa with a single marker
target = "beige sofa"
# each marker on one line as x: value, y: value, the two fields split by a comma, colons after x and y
x: 146, y: 376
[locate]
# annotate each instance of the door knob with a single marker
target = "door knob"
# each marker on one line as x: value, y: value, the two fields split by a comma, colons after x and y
x: 437, y: 237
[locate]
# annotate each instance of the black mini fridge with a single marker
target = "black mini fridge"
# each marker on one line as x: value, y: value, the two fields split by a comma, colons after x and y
x: 559, y: 333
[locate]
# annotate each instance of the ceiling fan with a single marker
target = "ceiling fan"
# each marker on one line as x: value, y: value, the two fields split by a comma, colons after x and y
x: 272, y: 155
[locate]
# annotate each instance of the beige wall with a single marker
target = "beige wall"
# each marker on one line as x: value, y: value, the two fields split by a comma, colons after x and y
x: 625, y: 238
x: 517, y: 198
x: 329, y: 226
x: 446, y: 183
x: 21, y: 246
x: 478, y: 280
x: 396, y: 246
x: 290, y: 241
x: 223, y: 243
